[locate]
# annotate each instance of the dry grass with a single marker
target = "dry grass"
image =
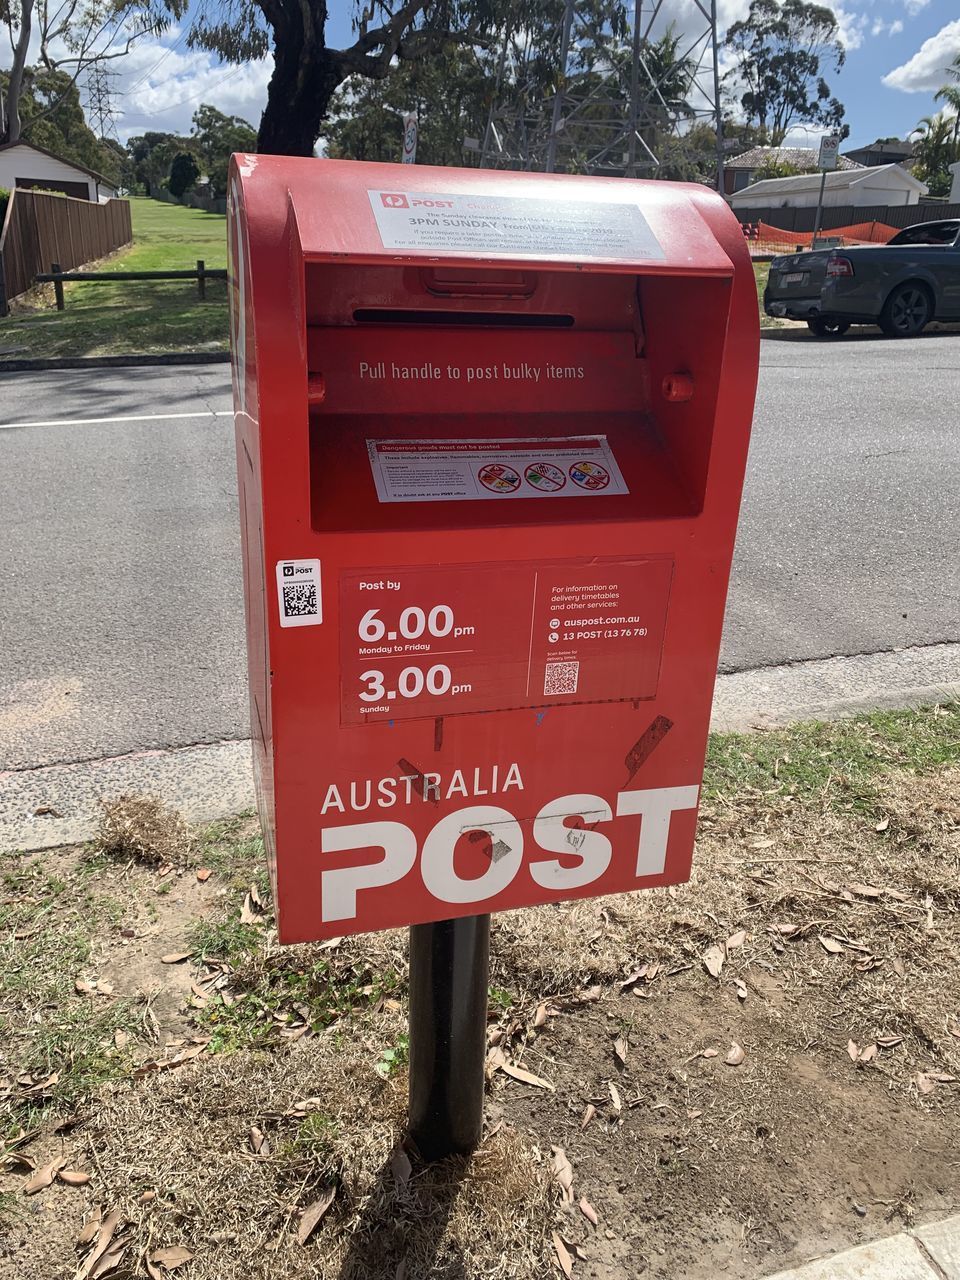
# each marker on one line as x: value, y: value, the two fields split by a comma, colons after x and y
x: 329, y: 1120
x: 141, y: 829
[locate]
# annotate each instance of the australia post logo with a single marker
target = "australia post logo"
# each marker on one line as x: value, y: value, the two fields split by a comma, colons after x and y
x: 397, y: 200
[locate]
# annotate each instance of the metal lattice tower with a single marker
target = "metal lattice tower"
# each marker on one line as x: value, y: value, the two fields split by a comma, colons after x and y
x: 615, y: 105
x: 98, y: 107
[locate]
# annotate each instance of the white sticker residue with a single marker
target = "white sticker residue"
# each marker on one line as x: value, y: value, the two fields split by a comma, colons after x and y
x: 298, y: 593
x: 458, y: 470
x: 517, y: 225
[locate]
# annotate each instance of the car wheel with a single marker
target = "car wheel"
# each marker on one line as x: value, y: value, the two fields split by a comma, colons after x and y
x: 907, y: 312
x: 824, y: 328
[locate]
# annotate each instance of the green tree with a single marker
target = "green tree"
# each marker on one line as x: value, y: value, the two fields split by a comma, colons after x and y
x: 450, y: 93
x: 950, y: 94
x: 70, y: 36
x: 216, y: 137
x: 152, y: 155
x: 307, y: 72
x: 183, y: 174
x: 780, y: 52
x: 51, y: 117
x: 936, y: 148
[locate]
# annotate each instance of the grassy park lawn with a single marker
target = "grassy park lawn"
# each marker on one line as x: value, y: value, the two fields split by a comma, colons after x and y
x: 134, y: 316
x: 721, y: 1078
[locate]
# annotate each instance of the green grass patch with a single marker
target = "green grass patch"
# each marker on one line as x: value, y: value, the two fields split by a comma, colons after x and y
x: 134, y: 316
x: 841, y: 761
x: 47, y: 927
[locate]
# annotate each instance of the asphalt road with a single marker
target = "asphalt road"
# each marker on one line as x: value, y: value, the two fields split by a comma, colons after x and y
x: 120, y: 592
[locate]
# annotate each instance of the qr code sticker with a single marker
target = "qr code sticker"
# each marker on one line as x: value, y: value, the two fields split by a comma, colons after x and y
x: 298, y: 593
x: 561, y: 677
x: 299, y: 600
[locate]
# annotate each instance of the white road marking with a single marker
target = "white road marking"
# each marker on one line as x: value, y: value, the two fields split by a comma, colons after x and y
x: 134, y: 417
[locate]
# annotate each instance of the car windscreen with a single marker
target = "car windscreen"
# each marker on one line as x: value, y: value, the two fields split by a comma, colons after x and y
x: 932, y: 233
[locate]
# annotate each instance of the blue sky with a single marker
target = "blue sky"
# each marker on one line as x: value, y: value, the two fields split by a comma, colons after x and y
x: 896, y: 54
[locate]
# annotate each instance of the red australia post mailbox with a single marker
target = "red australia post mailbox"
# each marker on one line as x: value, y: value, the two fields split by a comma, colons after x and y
x: 491, y: 432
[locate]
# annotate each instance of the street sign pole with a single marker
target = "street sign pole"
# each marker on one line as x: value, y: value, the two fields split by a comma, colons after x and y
x: 816, y: 225
x: 449, y: 963
x: 829, y: 149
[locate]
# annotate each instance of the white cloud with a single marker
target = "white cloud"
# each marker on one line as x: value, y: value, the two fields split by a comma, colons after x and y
x: 895, y: 28
x: 161, y: 83
x: 925, y: 72
x: 891, y: 28
x: 850, y: 27
x: 913, y: 7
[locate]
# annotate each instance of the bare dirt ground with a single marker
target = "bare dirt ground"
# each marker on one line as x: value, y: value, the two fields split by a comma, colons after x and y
x: 724, y: 1078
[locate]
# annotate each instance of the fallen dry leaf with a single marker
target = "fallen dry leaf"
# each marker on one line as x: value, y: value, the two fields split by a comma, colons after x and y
x: 110, y: 1259
x: 121, y: 1038
x: 171, y: 1257
x: 868, y: 1054
x: 564, y: 1261
x: 735, y: 1055
x: 526, y: 1077
x: 615, y: 1097
x: 83, y: 987
x: 741, y: 988
x: 258, y: 1141
x: 74, y: 1177
x: 90, y: 1228
x: 588, y: 1211
x: 540, y: 1017
x: 713, y: 959
x: 762, y: 844
x: 204, y: 874
x: 175, y: 957
x: 563, y: 1173
x: 924, y: 1083
x: 898, y: 968
x: 864, y: 890
x: 887, y: 1042
x: 310, y: 1219
x: 101, y: 1244
x: 709, y: 1053
x: 620, y: 1049
x: 736, y: 940
x: 104, y: 988
x: 400, y: 1166
x: 589, y: 1112
x: 43, y: 1177
x: 941, y: 1077
x: 882, y: 824
x: 830, y: 944
x: 853, y: 1049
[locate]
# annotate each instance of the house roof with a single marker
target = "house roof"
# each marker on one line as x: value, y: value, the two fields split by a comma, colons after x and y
x: 72, y: 164
x: 798, y: 157
x: 842, y: 179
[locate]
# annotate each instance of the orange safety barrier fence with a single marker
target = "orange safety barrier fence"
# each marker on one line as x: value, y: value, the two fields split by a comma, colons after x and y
x: 762, y: 238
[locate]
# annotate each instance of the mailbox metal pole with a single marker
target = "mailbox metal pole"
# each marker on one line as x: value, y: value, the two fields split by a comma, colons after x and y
x: 449, y: 964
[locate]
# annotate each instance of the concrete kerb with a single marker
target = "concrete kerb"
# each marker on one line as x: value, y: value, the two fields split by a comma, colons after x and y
x: 115, y: 362
x: 925, y: 1253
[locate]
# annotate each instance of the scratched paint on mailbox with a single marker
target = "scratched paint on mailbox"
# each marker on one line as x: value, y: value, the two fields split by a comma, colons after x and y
x: 423, y: 642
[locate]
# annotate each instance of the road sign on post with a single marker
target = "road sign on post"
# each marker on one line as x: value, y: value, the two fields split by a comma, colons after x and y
x: 410, y: 132
x: 829, y: 149
x: 485, y: 568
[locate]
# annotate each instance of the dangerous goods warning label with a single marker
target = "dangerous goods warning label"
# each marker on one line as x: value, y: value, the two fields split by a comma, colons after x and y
x: 520, y: 226
x: 421, y: 642
x: 458, y: 470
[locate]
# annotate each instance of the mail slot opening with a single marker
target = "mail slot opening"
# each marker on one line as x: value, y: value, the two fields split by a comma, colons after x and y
x: 491, y: 319
x: 555, y: 393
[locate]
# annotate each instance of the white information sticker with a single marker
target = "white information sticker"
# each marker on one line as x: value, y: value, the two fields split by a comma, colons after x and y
x: 298, y: 593
x: 517, y: 225
x: 494, y: 470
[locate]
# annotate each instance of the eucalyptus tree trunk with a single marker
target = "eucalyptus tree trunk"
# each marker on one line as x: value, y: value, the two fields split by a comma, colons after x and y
x: 15, y: 85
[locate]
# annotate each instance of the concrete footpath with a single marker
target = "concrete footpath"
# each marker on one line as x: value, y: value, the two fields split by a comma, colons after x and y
x: 926, y: 1253
x: 57, y: 804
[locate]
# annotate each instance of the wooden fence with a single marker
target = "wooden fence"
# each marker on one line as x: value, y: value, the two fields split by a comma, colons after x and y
x: 40, y: 229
